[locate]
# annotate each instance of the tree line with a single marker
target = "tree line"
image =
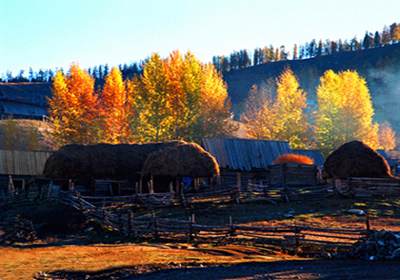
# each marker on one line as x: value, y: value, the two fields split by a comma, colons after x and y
x: 278, y: 110
x: 174, y: 98
x: 239, y: 59
x: 242, y: 59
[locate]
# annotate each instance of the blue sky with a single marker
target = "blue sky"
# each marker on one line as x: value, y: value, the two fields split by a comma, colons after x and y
x: 52, y: 33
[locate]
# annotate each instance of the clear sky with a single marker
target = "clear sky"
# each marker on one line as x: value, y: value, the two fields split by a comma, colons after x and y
x: 52, y: 33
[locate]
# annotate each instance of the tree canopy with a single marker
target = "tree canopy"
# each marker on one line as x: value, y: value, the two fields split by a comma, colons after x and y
x: 174, y: 98
x: 344, y: 111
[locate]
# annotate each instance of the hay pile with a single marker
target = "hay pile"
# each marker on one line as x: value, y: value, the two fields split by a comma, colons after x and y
x: 185, y: 160
x: 356, y: 159
x: 293, y: 158
x: 101, y: 161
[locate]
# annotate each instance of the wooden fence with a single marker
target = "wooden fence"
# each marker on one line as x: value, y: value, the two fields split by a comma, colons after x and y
x: 288, y: 236
x: 117, y: 213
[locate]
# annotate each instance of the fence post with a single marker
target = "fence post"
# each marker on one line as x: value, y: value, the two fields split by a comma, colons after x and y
x: 367, y: 223
x: 297, y: 231
x: 103, y: 212
x: 190, y: 229
x: 120, y: 223
x: 155, y: 226
x: 130, y: 223
x: 151, y: 184
x: 79, y: 200
x: 50, y: 190
x: 231, y: 227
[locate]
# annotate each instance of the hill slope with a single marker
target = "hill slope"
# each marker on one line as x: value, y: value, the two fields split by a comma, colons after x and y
x: 380, y: 67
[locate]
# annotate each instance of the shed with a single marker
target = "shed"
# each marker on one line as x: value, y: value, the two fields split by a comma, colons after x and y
x: 21, y: 165
x: 241, y: 160
x: 245, y: 154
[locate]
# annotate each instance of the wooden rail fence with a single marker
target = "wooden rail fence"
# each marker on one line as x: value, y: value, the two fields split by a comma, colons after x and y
x: 289, y: 236
x: 117, y: 213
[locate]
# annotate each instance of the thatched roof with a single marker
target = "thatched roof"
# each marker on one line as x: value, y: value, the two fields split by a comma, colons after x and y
x: 356, y: 159
x: 188, y: 160
x: 100, y: 161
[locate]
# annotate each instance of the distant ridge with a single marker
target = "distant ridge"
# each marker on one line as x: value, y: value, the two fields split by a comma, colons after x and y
x: 240, y: 81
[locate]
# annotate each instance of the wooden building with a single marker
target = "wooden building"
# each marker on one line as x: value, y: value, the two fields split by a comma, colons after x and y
x: 247, y: 157
x: 22, y: 166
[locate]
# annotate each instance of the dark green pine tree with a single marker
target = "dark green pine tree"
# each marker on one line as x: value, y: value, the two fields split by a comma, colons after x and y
x: 377, y: 40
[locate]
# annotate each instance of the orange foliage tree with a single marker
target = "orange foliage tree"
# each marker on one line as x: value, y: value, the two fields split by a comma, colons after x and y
x: 73, y: 107
x: 115, y: 106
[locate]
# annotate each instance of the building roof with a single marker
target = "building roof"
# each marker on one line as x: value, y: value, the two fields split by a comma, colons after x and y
x: 316, y: 155
x: 385, y: 156
x: 24, y: 99
x: 245, y: 154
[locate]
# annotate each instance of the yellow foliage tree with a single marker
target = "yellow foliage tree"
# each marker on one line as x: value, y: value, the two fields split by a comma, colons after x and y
x: 115, y: 106
x: 60, y: 110
x: 260, y: 113
x: 155, y: 97
x: 293, y: 124
x: 214, y: 114
x: 344, y: 112
x: 387, y: 138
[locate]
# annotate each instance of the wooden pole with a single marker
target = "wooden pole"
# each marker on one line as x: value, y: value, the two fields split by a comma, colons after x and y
x: 151, y: 184
x: 367, y: 223
x: 130, y: 217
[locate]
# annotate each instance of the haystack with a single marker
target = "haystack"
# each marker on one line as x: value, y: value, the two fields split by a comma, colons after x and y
x: 293, y: 158
x: 101, y: 161
x: 356, y: 159
x: 186, y: 160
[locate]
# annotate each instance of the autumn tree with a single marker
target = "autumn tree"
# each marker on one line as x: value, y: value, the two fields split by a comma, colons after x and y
x: 60, y: 110
x: 344, y: 111
x: 293, y: 124
x: 155, y: 97
x: 214, y: 113
x: 386, y: 135
x: 192, y: 83
x: 115, y: 108
x: 177, y: 96
x: 73, y: 107
x: 260, y: 113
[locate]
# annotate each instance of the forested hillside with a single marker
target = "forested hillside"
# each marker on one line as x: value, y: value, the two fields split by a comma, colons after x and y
x: 379, y: 66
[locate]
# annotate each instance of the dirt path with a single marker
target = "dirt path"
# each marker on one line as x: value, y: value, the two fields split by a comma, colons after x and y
x: 286, y: 270
x: 277, y: 270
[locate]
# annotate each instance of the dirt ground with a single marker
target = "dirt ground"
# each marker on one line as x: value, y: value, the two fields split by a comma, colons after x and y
x: 41, y: 238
